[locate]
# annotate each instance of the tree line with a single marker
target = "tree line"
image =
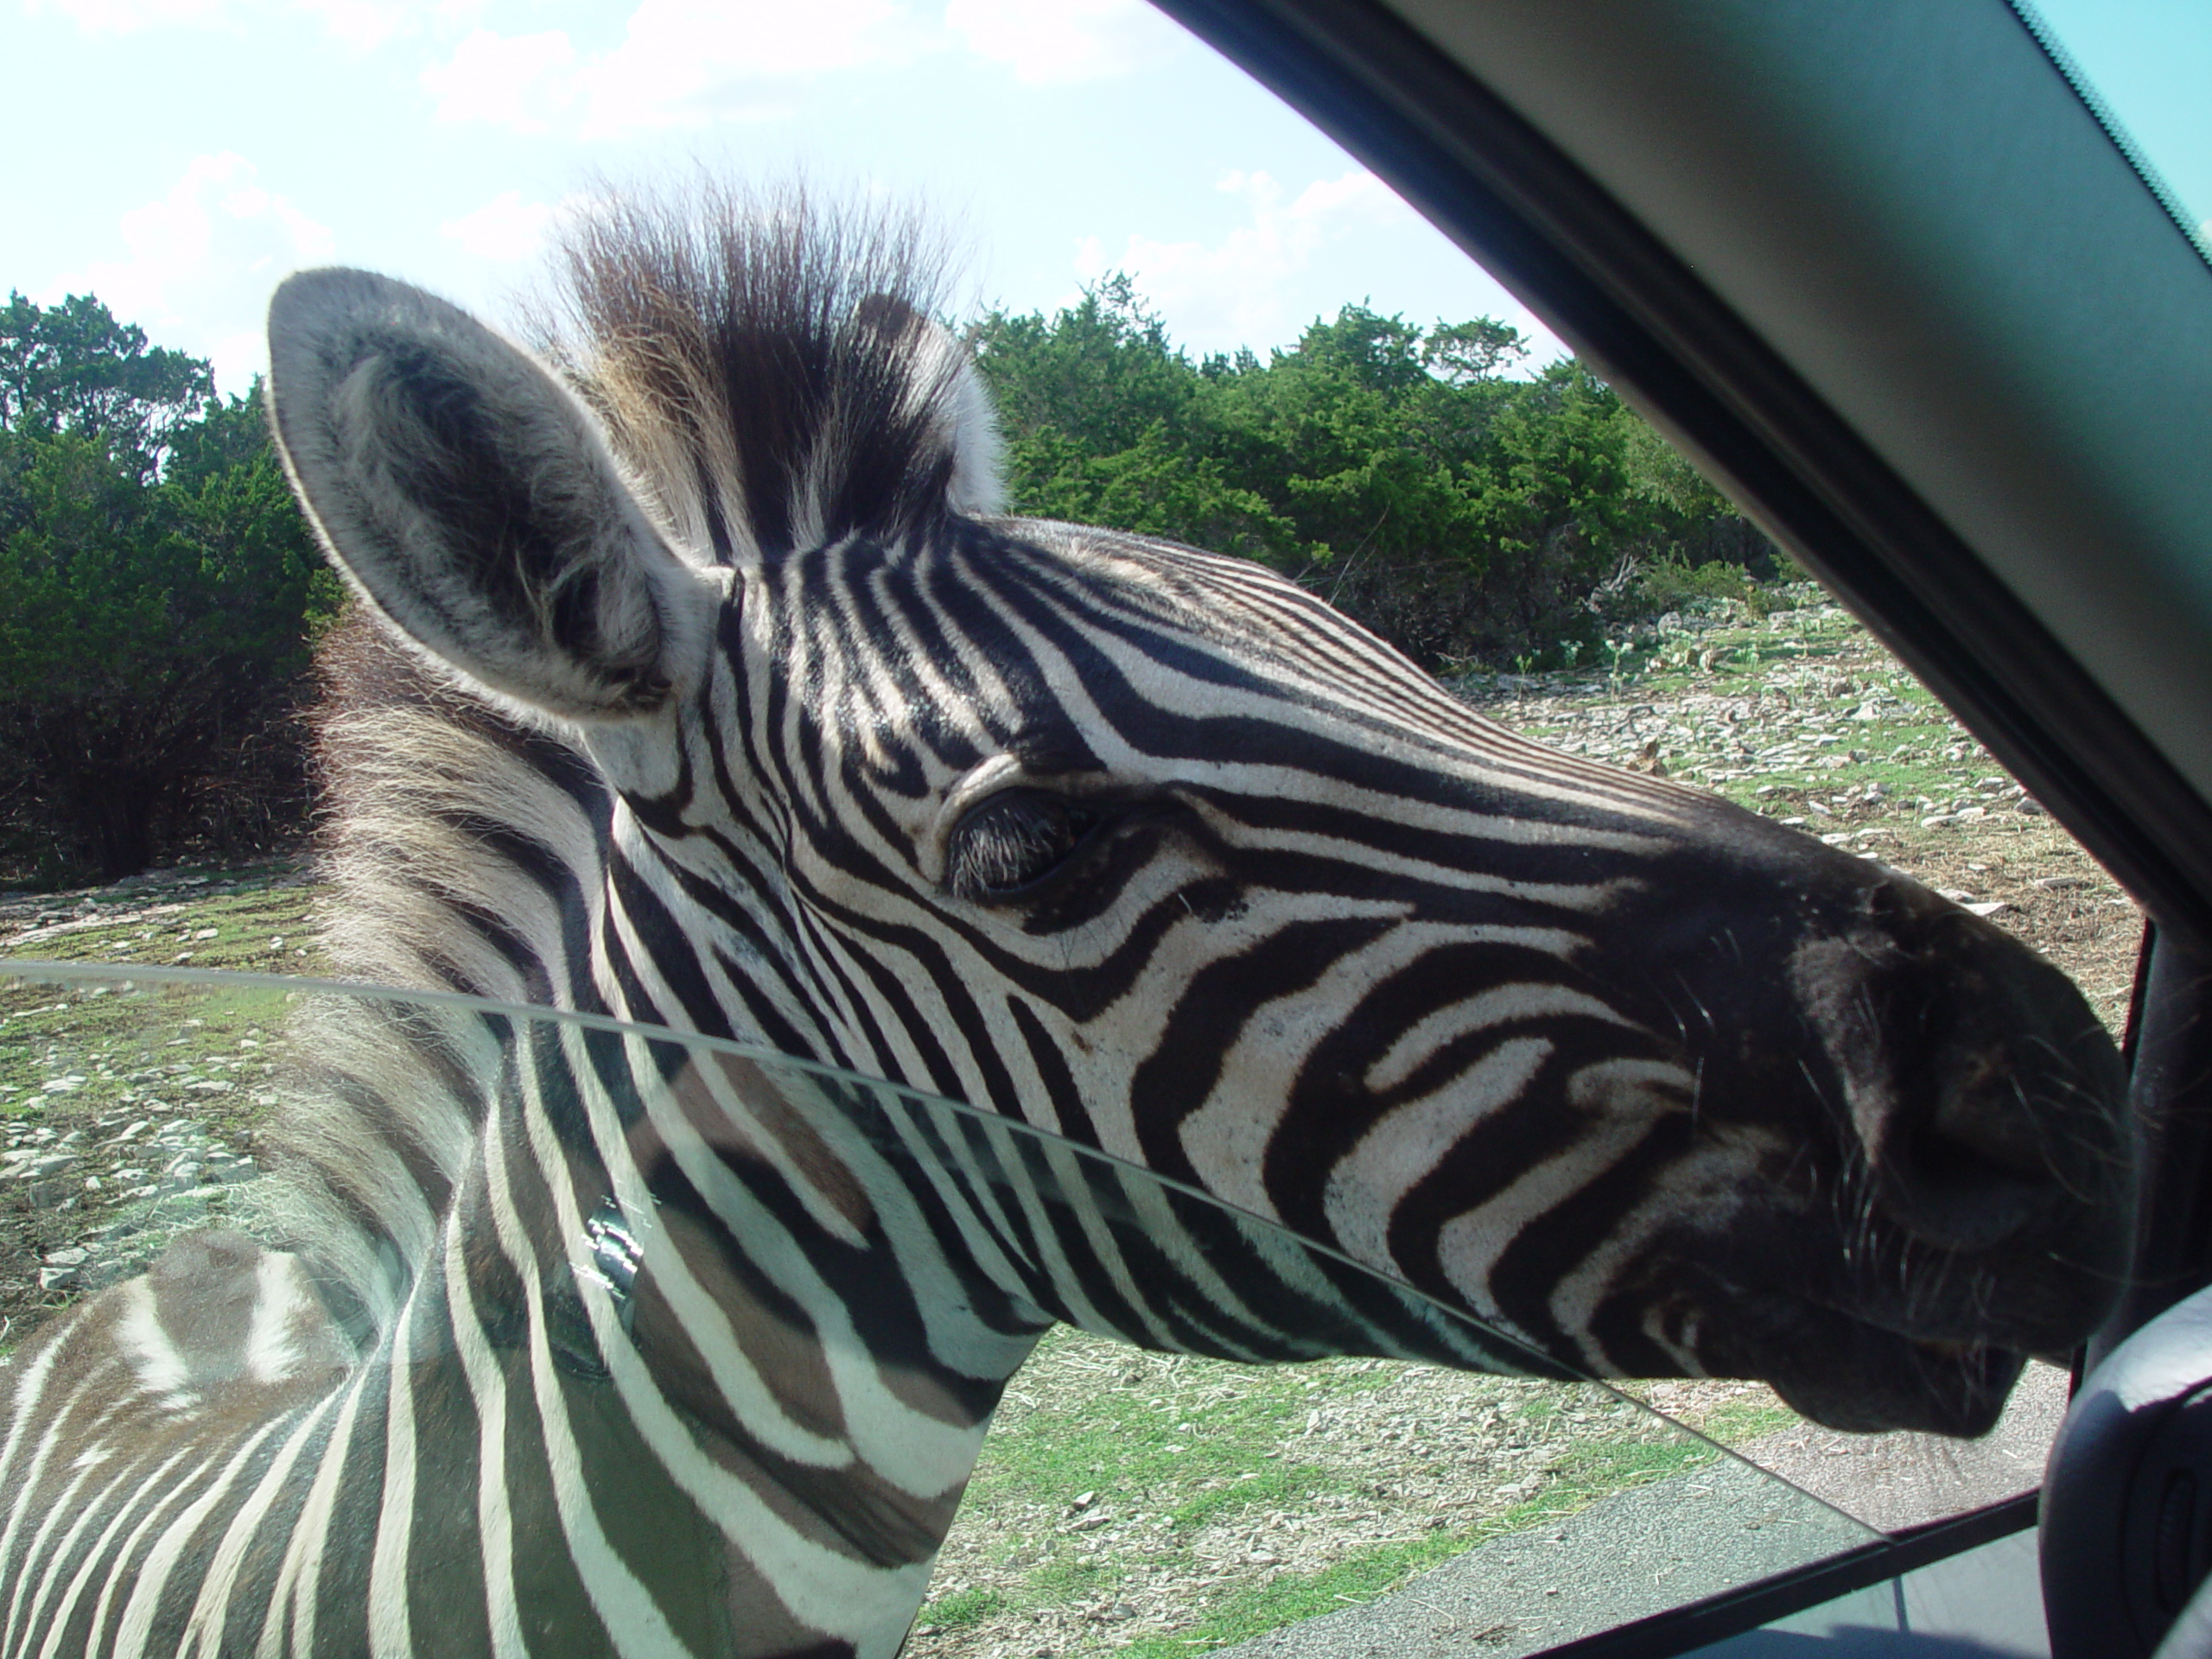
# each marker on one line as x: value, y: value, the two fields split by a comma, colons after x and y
x: 1469, y: 517
x: 161, y: 595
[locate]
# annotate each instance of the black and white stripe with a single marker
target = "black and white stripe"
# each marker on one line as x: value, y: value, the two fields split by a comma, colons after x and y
x: 709, y: 695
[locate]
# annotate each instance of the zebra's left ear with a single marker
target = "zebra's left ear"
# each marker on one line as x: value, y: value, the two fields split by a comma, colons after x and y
x: 472, y: 499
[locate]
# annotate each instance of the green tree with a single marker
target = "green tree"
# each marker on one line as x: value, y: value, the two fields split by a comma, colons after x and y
x: 74, y: 368
x: 1462, y: 351
x: 1397, y: 470
x: 1100, y: 374
x: 158, y: 590
x: 1101, y: 418
x: 1350, y: 437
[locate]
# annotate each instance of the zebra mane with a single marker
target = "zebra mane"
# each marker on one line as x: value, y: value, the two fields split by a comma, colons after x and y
x: 771, y: 368
x: 451, y: 832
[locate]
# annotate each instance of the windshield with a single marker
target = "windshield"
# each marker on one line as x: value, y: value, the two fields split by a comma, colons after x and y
x: 1136, y: 1488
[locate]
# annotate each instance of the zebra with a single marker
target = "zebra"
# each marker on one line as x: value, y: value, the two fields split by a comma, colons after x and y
x: 697, y: 681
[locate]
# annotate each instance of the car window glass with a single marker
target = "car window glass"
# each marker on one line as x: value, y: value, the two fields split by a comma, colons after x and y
x: 1126, y: 1496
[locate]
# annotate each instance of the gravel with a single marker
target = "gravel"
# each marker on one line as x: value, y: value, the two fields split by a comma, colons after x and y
x: 119, y: 1186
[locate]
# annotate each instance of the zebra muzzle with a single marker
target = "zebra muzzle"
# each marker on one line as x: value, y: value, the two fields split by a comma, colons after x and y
x: 1981, y: 1134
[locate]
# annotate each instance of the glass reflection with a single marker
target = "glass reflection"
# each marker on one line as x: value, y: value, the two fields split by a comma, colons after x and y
x: 1140, y: 1487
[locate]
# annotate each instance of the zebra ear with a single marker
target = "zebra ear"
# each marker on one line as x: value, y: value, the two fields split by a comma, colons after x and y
x: 471, y: 498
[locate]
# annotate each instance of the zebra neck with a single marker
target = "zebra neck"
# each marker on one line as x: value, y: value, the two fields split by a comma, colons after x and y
x: 720, y: 1352
x: 725, y: 1308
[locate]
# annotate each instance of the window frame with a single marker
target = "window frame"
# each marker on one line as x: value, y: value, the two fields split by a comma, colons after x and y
x: 1514, y: 200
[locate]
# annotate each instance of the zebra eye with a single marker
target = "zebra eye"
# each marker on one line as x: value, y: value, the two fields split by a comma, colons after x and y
x: 1013, y: 841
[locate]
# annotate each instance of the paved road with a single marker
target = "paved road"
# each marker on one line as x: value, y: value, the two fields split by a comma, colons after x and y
x: 1724, y: 1525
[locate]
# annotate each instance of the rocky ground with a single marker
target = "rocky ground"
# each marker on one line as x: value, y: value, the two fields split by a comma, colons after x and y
x: 132, y: 1184
x: 128, y: 1119
x: 1801, y: 716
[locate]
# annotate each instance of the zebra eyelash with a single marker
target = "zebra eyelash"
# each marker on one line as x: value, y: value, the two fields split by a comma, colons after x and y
x: 1019, y: 843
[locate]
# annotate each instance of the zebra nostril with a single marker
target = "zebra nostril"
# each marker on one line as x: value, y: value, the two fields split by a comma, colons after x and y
x: 1984, y: 1118
x: 1973, y: 1139
x: 1975, y: 1173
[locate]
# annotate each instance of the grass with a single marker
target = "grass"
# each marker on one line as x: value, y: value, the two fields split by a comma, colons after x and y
x: 111, y: 1045
x: 967, y: 1607
x: 1115, y: 1475
x: 117, y: 1044
x: 238, y: 926
x: 1292, y: 1599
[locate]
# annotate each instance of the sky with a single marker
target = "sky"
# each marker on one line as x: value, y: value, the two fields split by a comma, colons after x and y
x: 177, y: 158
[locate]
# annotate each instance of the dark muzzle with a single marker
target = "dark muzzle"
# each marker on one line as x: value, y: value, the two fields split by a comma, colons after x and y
x: 1987, y: 1102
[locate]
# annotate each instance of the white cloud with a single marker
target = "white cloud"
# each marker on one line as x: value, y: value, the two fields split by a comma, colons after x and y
x: 202, y: 261
x: 364, y: 25
x: 359, y: 25
x: 680, y: 63
x: 522, y: 81
x: 1068, y: 40
x: 1292, y: 258
x: 507, y: 229
x: 684, y: 63
x: 1239, y: 289
x: 124, y: 16
x: 688, y: 63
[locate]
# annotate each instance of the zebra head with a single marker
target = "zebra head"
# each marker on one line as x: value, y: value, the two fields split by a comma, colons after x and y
x: 1152, y: 848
